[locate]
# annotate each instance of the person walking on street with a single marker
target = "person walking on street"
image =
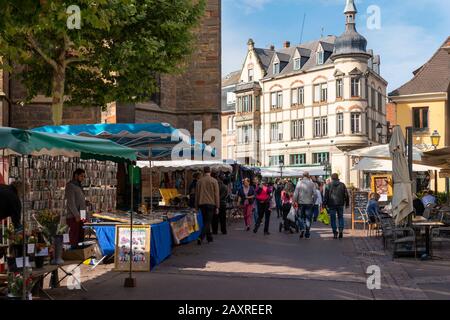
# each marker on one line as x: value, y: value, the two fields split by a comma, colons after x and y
x: 305, y: 198
x: 192, y: 189
x: 246, y: 198
x: 221, y: 218
x: 336, y: 197
x: 207, y: 199
x: 277, y: 193
x: 76, y: 204
x: 263, y: 198
x: 255, y: 185
x: 318, y: 203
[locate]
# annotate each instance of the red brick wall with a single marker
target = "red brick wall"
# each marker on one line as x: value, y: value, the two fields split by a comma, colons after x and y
x: 391, y: 113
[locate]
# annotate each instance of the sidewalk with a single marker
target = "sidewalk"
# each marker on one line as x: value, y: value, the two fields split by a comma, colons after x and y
x: 244, y: 265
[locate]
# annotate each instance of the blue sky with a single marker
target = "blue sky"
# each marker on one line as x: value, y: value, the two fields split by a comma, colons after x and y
x: 411, y: 30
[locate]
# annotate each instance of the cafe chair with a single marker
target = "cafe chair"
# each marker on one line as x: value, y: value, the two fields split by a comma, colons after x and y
x: 404, y: 237
x: 363, y: 218
x: 440, y: 236
x: 371, y: 226
x: 387, y: 230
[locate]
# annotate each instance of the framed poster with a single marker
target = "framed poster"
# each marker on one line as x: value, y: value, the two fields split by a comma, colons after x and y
x: 141, y: 248
x: 382, y: 184
x: 192, y: 223
x: 180, y: 229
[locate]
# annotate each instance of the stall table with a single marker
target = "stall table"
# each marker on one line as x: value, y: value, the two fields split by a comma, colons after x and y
x: 161, y: 242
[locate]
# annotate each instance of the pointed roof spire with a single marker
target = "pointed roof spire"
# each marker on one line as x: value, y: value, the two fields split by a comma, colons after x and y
x: 350, y: 7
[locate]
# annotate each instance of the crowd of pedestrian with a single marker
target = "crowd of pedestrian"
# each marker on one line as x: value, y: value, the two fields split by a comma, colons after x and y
x: 260, y: 198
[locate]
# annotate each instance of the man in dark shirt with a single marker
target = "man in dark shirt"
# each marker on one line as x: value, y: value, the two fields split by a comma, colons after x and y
x: 10, y: 205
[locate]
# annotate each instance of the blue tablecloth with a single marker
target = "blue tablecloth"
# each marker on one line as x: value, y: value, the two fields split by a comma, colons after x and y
x: 161, y: 239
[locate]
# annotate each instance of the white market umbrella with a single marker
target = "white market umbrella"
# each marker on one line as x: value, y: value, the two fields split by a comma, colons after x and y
x: 402, y: 202
x: 382, y: 152
x: 374, y: 165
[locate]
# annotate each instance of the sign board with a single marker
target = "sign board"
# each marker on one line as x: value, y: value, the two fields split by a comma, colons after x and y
x: 382, y: 184
x: 180, y: 229
x: 140, y: 249
x: 360, y: 199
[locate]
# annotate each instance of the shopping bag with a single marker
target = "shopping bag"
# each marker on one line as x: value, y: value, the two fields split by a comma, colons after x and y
x: 324, y: 217
x: 291, y: 215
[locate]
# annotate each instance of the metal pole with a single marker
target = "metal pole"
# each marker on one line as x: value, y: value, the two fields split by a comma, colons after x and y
x: 130, y: 282
x: 24, y: 226
x: 151, y: 180
x: 435, y: 182
x: 409, y: 132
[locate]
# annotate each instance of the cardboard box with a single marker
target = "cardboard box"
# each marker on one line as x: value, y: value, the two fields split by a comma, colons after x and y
x: 91, y: 250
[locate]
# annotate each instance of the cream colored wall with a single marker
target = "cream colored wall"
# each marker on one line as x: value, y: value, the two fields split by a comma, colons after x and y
x: 229, y: 138
x: 286, y: 114
x: 251, y: 60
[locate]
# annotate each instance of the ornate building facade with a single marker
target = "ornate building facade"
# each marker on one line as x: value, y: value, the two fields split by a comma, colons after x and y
x: 309, y: 104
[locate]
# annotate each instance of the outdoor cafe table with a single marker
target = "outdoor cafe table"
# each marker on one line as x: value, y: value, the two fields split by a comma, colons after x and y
x: 428, y: 225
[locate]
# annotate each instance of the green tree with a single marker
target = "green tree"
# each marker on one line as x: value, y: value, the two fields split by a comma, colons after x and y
x: 115, y: 55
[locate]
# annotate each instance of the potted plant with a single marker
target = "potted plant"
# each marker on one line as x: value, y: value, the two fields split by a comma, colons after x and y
x: 52, y: 230
x: 15, y: 285
x: 15, y: 241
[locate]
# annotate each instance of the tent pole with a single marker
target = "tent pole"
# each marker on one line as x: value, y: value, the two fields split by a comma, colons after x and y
x: 130, y: 282
x: 24, y: 225
x: 151, y: 180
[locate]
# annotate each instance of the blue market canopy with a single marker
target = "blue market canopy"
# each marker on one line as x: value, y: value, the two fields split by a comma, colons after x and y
x: 26, y: 142
x: 160, y: 138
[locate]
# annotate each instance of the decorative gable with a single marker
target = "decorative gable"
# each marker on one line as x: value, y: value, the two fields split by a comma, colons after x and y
x: 338, y: 73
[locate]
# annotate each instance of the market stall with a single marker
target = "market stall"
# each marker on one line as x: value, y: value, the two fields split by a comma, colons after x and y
x: 152, y: 141
x: 172, y: 178
x: 162, y: 236
x: 30, y: 145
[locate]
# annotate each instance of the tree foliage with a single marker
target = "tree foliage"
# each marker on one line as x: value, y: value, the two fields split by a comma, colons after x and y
x: 115, y: 55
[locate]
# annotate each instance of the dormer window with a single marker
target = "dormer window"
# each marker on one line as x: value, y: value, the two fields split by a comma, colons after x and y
x: 250, y: 75
x: 320, y: 57
x: 297, y: 64
x: 276, y: 68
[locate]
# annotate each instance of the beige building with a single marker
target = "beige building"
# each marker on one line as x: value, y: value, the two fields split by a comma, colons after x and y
x: 228, y: 115
x: 309, y: 104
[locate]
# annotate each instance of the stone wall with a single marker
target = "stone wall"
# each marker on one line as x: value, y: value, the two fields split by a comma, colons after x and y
x: 195, y: 95
x: 37, y: 115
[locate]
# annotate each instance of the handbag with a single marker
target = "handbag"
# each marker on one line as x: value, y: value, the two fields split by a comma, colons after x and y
x: 292, y: 214
x: 324, y: 217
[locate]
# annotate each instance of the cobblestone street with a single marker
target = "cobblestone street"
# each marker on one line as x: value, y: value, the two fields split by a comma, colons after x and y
x: 243, y: 265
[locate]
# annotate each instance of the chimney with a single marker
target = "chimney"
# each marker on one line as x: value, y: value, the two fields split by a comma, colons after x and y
x: 376, y: 64
x: 251, y: 44
x: 272, y: 47
x: 287, y: 44
x: 370, y: 63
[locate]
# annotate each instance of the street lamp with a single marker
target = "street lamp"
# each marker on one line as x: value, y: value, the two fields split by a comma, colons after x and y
x: 435, y: 139
x: 380, y: 131
x: 281, y: 167
x: 326, y: 167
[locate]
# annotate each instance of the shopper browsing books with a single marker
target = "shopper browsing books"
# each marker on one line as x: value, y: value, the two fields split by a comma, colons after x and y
x: 76, y: 207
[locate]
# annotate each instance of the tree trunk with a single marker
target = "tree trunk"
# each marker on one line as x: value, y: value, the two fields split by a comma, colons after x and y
x: 59, y: 77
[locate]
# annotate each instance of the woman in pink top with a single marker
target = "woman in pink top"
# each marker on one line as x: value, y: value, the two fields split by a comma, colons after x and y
x: 246, y: 198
